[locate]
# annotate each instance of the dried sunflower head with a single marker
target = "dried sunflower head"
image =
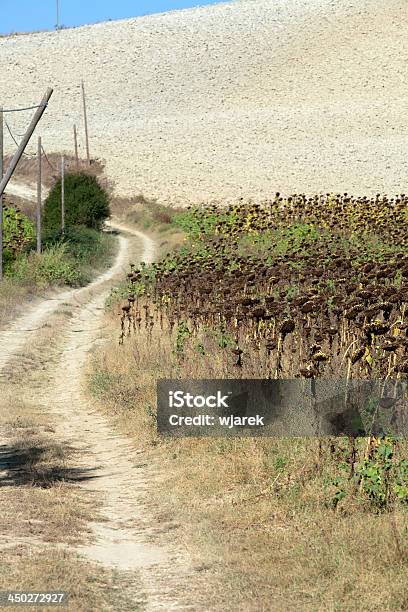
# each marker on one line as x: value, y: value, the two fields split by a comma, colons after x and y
x: 287, y: 327
x: 376, y: 328
x: 357, y: 355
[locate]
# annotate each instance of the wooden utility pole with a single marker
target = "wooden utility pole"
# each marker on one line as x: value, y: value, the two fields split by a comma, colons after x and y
x: 86, y: 124
x: 16, y: 158
x: 1, y: 196
x: 62, y: 194
x: 76, y: 147
x: 58, y: 19
x: 39, y: 196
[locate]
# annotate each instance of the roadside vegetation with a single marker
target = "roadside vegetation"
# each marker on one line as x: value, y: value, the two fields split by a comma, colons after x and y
x: 69, y: 258
x: 298, y: 288
x: 150, y: 216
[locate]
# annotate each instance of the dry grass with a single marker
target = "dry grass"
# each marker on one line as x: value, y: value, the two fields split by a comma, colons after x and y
x: 255, y: 513
x: 39, y: 497
x: 149, y: 216
x: 90, y: 588
x: 43, y: 512
x: 57, y: 513
x: 12, y: 299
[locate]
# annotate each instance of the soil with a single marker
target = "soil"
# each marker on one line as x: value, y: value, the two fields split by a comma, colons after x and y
x: 230, y: 100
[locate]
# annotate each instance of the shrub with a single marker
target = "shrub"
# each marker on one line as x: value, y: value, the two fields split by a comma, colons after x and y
x: 82, y: 243
x: 68, y: 260
x: 53, y: 266
x: 18, y: 233
x: 86, y: 204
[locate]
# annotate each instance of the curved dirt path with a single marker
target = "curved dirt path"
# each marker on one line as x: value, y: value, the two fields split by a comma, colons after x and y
x: 22, y: 190
x: 12, y: 339
x: 122, y: 539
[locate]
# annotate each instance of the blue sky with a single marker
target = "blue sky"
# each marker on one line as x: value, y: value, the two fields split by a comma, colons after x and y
x: 31, y: 15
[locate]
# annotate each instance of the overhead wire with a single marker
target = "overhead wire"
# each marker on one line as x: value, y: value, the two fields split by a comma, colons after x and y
x: 15, y: 140
x: 48, y: 161
x: 13, y: 136
x: 53, y: 168
x: 19, y: 110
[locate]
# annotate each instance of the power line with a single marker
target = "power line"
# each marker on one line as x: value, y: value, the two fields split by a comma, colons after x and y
x: 19, y: 110
x: 15, y: 141
x: 16, y: 134
x: 11, y: 133
x: 27, y: 154
x: 48, y: 161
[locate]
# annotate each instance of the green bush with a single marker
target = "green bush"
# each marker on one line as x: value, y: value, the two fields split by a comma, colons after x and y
x: 90, y: 249
x: 86, y: 204
x: 68, y: 260
x: 53, y: 266
x: 81, y: 242
x: 18, y: 234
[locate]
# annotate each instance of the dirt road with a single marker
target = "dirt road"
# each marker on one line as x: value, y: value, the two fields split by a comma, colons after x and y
x: 19, y: 190
x: 122, y: 539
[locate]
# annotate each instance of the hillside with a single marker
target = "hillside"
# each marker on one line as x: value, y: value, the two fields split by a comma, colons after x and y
x: 231, y: 100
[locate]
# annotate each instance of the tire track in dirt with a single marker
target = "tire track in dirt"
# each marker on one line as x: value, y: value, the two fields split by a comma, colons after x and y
x: 13, y: 339
x: 123, y: 538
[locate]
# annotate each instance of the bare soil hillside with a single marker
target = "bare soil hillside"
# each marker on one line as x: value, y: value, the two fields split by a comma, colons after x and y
x: 230, y: 100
